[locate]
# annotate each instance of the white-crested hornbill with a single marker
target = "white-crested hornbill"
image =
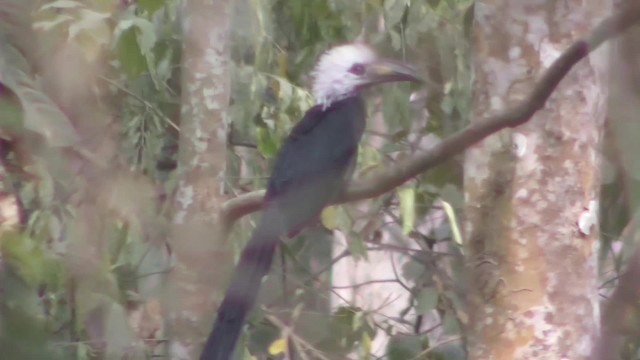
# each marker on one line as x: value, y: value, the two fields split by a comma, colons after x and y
x: 312, y: 167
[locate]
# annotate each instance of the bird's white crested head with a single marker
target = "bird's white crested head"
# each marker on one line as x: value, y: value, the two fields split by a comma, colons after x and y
x: 340, y: 72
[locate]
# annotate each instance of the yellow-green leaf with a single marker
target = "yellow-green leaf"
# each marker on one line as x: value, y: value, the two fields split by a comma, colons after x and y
x: 329, y: 215
x: 453, y: 222
x: 151, y: 5
x: 278, y: 347
x: 366, y: 346
x: 407, y: 209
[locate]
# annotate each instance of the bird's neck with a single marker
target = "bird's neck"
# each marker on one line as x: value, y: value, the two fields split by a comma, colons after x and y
x: 327, y: 100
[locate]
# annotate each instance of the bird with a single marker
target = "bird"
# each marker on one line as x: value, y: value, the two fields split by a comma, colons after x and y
x: 312, y: 167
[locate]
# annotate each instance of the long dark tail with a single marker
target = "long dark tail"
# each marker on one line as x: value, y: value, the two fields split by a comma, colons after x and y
x: 240, y: 298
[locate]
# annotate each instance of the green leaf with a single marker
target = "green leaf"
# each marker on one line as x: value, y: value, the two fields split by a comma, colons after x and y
x: 413, y: 270
x: 246, y: 355
x: 449, y: 351
x: 146, y: 34
x: 151, y: 5
x: 342, y: 328
x: 407, y: 209
x: 357, y: 248
x: 136, y: 39
x: 11, y: 119
x: 368, y: 156
x: 404, y: 347
x: 427, y: 300
x: 267, y: 145
x: 22, y: 330
x: 343, y: 219
x: 450, y: 324
x: 130, y: 56
x: 40, y: 114
x: 24, y: 256
x: 84, y: 351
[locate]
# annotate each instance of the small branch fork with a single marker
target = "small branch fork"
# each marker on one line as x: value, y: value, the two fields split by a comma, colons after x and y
x: 382, y: 182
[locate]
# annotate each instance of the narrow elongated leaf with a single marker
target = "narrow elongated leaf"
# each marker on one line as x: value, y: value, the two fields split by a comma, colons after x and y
x: 366, y: 346
x: 407, y: 209
x: 453, y: 222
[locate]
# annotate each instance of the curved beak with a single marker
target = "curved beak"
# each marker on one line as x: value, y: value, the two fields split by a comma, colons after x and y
x: 383, y: 71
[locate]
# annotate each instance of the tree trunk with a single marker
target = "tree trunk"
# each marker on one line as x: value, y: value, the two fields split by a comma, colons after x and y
x: 532, y: 191
x: 201, y: 260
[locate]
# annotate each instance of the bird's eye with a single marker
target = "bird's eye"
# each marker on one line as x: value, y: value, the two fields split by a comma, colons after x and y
x: 357, y: 69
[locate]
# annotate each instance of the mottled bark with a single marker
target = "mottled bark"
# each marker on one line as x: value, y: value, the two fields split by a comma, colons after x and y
x: 532, y: 191
x: 201, y: 260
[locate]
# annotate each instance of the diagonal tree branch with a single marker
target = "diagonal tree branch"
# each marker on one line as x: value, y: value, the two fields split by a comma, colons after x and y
x: 384, y: 181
